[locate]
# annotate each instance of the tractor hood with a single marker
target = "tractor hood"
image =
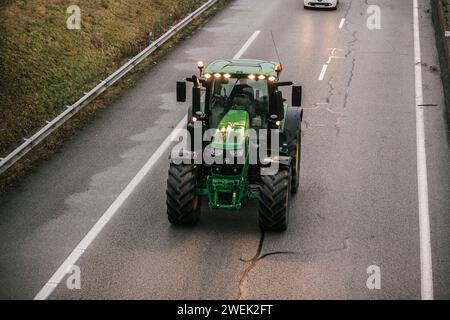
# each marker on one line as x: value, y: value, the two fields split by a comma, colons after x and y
x: 232, y: 131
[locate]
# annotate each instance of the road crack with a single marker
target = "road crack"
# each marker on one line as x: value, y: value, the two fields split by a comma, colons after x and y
x: 351, y: 43
x: 331, y: 90
x: 252, y: 263
x: 259, y: 256
x: 349, y: 7
x: 350, y: 80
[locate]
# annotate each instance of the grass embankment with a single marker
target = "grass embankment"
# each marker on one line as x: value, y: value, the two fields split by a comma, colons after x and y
x: 441, y: 19
x: 44, y: 66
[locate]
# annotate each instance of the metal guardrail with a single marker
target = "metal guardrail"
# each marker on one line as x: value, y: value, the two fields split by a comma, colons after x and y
x: 51, y: 126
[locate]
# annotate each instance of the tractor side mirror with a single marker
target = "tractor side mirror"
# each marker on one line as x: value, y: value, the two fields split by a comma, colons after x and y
x: 279, y: 104
x: 181, y: 91
x: 276, y: 106
x: 297, y: 96
x: 196, y: 100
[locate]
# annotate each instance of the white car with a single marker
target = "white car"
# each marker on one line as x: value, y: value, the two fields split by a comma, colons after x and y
x: 325, y: 4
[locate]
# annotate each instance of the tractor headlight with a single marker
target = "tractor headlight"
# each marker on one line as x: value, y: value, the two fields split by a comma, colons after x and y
x: 269, y: 160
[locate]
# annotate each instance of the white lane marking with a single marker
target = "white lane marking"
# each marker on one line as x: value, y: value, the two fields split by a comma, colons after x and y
x: 322, y: 73
x: 62, y: 271
x: 333, y: 57
x: 247, y: 45
x: 106, y: 217
x: 333, y: 51
x: 422, y: 175
x: 341, y: 25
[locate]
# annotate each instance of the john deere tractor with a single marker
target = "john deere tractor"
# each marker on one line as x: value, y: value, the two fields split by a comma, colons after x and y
x: 244, y: 143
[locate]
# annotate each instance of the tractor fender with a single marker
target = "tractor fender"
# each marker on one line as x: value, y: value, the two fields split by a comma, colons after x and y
x: 292, y: 126
x: 186, y: 157
x: 282, y: 161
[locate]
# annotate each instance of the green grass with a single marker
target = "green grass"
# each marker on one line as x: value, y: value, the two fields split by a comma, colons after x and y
x: 45, y: 66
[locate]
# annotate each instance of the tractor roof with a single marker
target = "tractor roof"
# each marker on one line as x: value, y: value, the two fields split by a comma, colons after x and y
x: 243, y: 66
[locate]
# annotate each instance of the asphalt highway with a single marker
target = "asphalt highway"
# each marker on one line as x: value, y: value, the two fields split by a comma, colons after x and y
x: 358, y: 203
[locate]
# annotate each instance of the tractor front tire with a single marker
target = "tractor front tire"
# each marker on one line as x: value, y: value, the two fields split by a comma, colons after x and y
x: 274, y: 201
x: 183, y: 205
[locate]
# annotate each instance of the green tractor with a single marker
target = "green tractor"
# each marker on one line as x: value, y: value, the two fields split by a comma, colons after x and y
x: 244, y: 143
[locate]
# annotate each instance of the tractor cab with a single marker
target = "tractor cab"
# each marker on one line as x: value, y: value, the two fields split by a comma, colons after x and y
x: 243, y: 84
x: 239, y: 92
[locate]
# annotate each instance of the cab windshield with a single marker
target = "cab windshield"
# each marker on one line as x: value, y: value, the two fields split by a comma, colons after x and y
x: 239, y: 94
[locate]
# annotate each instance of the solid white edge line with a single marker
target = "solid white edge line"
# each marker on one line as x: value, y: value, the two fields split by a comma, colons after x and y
x: 70, y: 261
x: 341, y: 25
x: 322, y: 73
x: 422, y: 175
x: 247, y: 44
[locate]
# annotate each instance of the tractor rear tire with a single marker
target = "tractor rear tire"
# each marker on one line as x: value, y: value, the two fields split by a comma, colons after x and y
x: 274, y: 201
x: 183, y: 205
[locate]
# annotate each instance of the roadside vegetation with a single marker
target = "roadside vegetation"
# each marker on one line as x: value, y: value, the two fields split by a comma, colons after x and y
x: 44, y: 66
